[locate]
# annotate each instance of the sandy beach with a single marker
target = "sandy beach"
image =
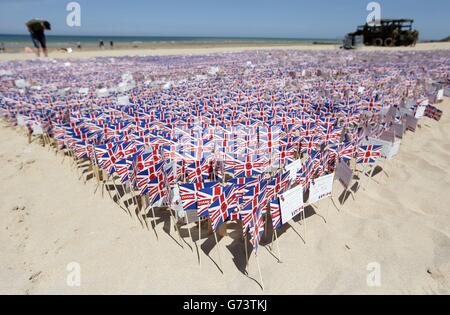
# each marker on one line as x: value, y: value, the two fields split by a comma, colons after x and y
x: 50, y: 219
x: 196, y: 49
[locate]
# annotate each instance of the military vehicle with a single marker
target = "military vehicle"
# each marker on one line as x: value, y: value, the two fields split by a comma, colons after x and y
x: 388, y: 32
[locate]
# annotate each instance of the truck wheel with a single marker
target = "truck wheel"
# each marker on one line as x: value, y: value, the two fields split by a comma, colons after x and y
x: 378, y: 42
x: 389, y: 42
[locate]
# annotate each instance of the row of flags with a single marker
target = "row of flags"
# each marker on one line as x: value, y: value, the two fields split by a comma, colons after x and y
x: 224, y: 148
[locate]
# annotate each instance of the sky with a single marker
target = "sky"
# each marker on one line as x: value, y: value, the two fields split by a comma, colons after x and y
x: 327, y: 19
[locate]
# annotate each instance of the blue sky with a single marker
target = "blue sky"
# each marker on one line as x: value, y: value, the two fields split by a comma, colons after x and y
x: 235, y: 18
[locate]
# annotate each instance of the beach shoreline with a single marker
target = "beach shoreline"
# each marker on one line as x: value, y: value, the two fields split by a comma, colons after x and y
x: 209, y: 48
x: 52, y: 219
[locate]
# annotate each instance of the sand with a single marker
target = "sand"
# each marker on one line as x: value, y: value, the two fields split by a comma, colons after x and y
x: 50, y: 219
x: 206, y: 49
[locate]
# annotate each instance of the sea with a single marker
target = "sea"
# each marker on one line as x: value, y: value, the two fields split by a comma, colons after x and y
x: 15, y: 42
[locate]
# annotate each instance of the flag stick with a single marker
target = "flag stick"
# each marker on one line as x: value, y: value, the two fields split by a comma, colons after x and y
x: 365, y: 178
x: 304, y: 223
x: 137, y: 209
x: 223, y: 172
x: 96, y: 178
x: 218, y: 253
x: 109, y: 193
x: 102, y: 180
x: 189, y: 231
x: 361, y: 177
x: 154, y: 222
x: 372, y: 170
x: 199, y: 238
x: 265, y: 227
x: 259, y: 270
x: 118, y: 198
x: 115, y: 187
x: 72, y: 156
x: 384, y: 171
x: 246, y: 251
x: 271, y: 240
x: 76, y: 166
x: 278, y: 246
x: 143, y: 210
x: 176, y: 228
x: 64, y: 156
x: 328, y: 208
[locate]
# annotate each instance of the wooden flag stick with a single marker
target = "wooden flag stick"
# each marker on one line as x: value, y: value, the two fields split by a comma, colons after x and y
x: 143, y: 210
x: 118, y: 198
x: 189, y: 232
x: 384, y: 171
x: 176, y: 228
x: 115, y: 187
x: 137, y: 210
x: 109, y: 192
x: 272, y: 239
x: 73, y: 157
x: 259, y: 270
x: 328, y: 208
x: 371, y: 172
x: 265, y: 225
x: 278, y: 246
x: 76, y: 167
x: 97, y: 178
x: 361, y: 177
x: 199, y: 238
x: 102, y: 180
x: 154, y: 222
x: 366, y: 177
x: 304, y: 223
x: 218, y: 252
x: 246, y: 251
x: 223, y: 172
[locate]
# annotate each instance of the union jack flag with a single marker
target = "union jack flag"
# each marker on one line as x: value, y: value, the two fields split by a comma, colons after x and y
x: 277, y: 185
x: 205, y: 196
x: 158, y: 188
x: 194, y: 172
x: 309, y: 144
x: 222, y: 206
x: 256, y: 231
x: 275, y: 213
x: 249, y: 168
x: 347, y: 151
x: 368, y: 153
x: 123, y: 167
x: 188, y: 194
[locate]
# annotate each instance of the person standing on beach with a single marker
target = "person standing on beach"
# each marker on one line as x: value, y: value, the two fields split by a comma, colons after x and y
x: 37, y: 27
x: 111, y: 43
x: 101, y: 44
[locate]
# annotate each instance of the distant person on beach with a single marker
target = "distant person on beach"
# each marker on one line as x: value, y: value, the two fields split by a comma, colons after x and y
x: 2, y: 47
x: 79, y: 45
x: 101, y: 44
x: 37, y: 28
x: 111, y: 43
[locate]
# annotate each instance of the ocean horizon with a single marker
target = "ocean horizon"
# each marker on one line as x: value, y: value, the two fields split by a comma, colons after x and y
x: 57, y: 41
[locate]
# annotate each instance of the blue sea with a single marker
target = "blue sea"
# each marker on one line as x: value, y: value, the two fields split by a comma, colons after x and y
x: 58, y: 41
